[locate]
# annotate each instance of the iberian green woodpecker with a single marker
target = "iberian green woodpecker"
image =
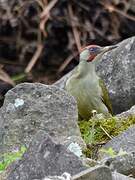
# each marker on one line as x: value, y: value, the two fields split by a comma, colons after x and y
x: 86, y: 86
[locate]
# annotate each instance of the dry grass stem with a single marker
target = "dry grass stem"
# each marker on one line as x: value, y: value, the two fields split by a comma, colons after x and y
x: 112, y: 8
x: 75, y: 31
x: 106, y: 132
x: 66, y: 62
x: 5, y: 77
x: 34, y: 58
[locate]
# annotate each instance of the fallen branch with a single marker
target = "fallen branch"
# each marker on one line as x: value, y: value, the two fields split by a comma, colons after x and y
x: 111, y: 8
x: 5, y: 77
x: 75, y: 31
x: 48, y: 8
x: 45, y: 16
x: 34, y: 58
x: 66, y: 62
x: 105, y: 132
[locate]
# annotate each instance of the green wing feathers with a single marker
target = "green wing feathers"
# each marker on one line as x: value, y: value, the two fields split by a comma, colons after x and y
x: 105, y: 96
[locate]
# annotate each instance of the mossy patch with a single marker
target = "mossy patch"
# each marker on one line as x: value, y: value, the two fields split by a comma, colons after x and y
x: 96, y: 132
x: 10, y: 157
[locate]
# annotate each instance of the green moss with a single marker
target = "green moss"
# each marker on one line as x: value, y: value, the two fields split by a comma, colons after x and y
x: 95, y: 132
x: 8, y: 158
x: 110, y: 152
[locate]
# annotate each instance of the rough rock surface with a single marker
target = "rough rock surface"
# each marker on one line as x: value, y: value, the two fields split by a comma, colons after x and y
x: 64, y: 176
x: 96, y: 173
x: 44, y: 158
x: 102, y: 173
x: 31, y: 107
x: 116, y: 68
x: 124, y: 141
x: 127, y: 114
x: 118, y: 176
x: 124, y: 164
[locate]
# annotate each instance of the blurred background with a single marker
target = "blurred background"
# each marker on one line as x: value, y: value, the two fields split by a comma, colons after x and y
x: 40, y: 39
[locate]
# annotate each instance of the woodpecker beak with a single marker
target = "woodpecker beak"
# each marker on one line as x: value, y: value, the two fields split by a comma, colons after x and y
x: 107, y: 48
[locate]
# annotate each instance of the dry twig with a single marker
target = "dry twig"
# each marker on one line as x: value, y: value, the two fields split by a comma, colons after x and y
x: 75, y: 31
x: 48, y: 8
x: 5, y: 77
x: 34, y: 58
x: 45, y: 16
x: 105, y: 132
x: 112, y: 8
x: 66, y: 62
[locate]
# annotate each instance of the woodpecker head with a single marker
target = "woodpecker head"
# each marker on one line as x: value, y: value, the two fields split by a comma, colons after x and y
x: 90, y: 52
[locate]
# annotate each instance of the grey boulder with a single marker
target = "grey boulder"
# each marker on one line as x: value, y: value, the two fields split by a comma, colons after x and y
x: 124, y: 141
x: 95, y: 173
x: 31, y: 107
x: 124, y: 164
x: 92, y: 174
x: 117, y: 68
x: 127, y: 114
x: 124, y: 147
x: 118, y: 176
x: 45, y: 158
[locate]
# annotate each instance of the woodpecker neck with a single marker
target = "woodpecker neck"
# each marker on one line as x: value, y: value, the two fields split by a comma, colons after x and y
x: 85, y: 68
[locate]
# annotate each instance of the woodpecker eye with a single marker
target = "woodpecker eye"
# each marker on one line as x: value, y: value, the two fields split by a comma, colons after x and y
x: 92, y: 49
